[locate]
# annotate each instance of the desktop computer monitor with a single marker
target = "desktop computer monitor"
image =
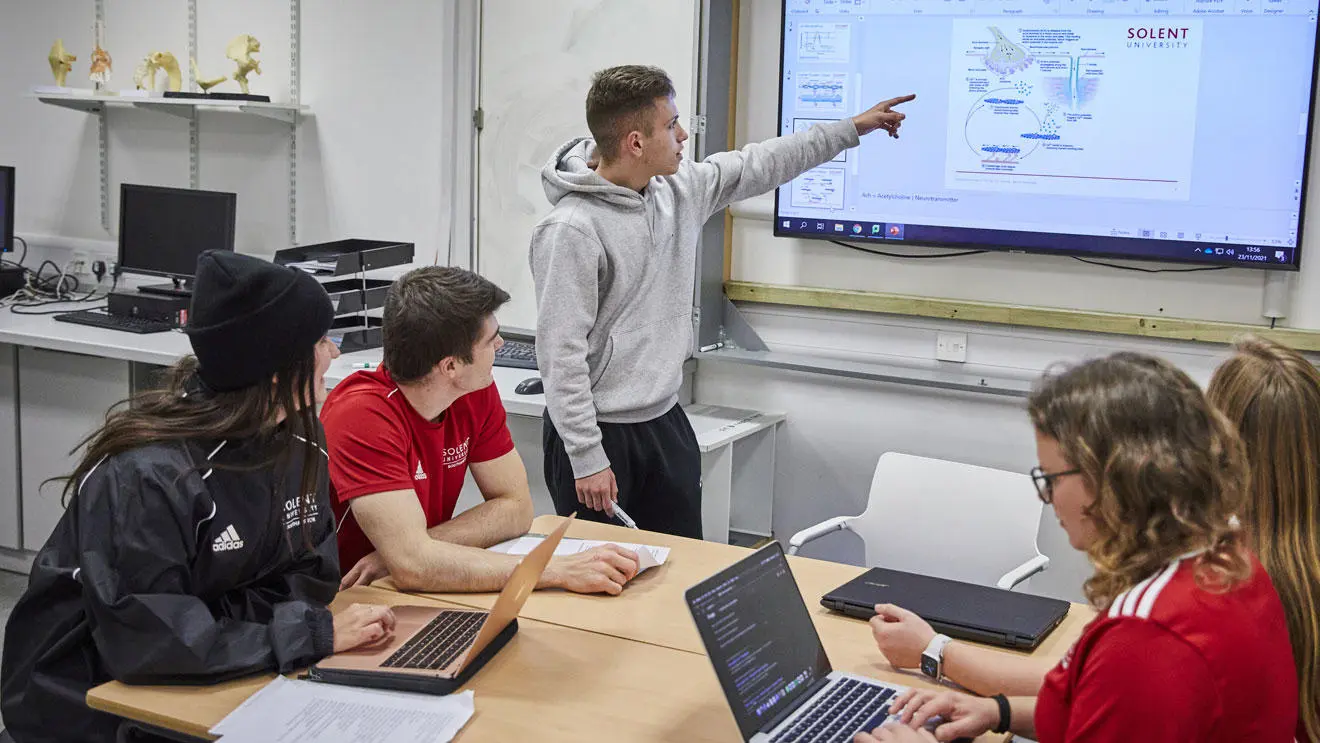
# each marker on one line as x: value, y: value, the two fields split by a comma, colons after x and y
x: 163, y: 230
x: 6, y: 208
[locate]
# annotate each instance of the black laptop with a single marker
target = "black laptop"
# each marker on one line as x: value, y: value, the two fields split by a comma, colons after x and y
x: 965, y: 611
x: 770, y: 661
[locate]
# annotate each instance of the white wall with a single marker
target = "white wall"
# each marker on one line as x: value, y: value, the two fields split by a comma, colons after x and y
x: 372, y: 154
x: 533, y: 93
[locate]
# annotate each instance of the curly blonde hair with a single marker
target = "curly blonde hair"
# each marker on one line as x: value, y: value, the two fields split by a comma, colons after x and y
x: 1272, y: 394
x: 1167, y: 470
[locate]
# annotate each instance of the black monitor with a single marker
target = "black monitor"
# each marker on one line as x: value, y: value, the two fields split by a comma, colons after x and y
x: 6, y: 208
x: 163, y: 230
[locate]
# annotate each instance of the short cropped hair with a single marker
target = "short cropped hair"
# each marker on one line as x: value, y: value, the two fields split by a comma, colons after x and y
x: 619, y: 99
x: 432, y: 313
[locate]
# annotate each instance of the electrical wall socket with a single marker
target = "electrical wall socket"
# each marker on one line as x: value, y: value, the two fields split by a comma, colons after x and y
x: 80, y: 265
x: 951, y: 346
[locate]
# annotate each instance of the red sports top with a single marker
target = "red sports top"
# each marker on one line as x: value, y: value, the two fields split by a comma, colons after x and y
x: 378, y: 443
x: 1172, y: 662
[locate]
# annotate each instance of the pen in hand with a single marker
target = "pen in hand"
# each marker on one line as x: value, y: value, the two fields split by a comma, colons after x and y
x: 625, y: 518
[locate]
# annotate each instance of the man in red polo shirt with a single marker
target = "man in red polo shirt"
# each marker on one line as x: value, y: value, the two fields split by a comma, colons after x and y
x: 402, y: 438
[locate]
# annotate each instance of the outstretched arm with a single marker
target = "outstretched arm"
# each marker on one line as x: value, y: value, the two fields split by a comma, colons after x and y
x: 727, y: 177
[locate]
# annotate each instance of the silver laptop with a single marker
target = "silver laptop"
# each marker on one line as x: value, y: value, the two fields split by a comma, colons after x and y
x: 770, y: 661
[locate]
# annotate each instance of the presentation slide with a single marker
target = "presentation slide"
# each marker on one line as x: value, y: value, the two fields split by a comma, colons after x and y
x: 1159, y: 129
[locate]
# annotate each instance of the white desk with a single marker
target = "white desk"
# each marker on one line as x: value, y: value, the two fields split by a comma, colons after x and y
x: 53, y: 400
x: 737, y: 458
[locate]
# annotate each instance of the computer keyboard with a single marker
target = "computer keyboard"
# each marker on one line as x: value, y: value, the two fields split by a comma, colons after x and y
x: 103, y: 319
x: 440, y: 642
x: 516, y: 354
x: 849, y: 708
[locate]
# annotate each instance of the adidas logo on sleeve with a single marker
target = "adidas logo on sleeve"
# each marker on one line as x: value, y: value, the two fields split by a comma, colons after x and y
x: 228, y: 540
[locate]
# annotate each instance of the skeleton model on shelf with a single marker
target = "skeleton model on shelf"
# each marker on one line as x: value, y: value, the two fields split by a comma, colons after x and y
x: 174, y: 77
x: 101, y: 63
x: 144, y: 77
x: 240, y: 50
x: 205, y: 83
x: 61, y: 62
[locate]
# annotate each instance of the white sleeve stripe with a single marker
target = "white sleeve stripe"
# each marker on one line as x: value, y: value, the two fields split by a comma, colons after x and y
x: 1148, y: 601
x: 1118, y: 603
x: 1134, y: 596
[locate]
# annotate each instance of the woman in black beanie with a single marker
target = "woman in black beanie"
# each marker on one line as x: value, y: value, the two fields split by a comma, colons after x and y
x: 198, y: 544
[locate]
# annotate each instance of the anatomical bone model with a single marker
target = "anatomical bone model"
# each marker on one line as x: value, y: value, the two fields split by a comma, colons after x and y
x: 144, y: 77
x: 101, y: 64
x: 208, y: 82
x: 60, y: 62
x: 167, y: 62
x: 240, y: 49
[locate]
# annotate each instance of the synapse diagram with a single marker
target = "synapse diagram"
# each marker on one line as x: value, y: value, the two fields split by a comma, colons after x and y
x: 1050, y: 109
x: 1007, y: 123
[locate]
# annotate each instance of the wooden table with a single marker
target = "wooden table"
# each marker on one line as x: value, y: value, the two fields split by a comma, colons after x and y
x: 549, y: 683
x: 652, y: 608
x: 587, y: 668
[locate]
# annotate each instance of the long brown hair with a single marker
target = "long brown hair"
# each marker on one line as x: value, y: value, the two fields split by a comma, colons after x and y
x: 1272, y: 394
x: 181, y: 408
x: 1167, y: 470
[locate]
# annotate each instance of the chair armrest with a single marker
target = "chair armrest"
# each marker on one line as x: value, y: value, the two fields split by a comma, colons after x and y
x: 837, y: 523
x: 1023, y: 571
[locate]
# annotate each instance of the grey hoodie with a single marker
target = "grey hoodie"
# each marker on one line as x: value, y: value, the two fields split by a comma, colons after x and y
x: 615, y: 271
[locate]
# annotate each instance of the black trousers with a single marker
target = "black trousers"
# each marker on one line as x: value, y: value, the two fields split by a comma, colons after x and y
x: 657, y: 466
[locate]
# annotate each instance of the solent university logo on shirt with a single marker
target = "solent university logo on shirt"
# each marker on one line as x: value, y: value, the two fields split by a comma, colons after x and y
x: 310, y: 511
x: 456, y: 456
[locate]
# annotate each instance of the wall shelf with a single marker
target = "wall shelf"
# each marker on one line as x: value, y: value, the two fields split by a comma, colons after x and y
x: 181, y: 107
x: 189, y: 109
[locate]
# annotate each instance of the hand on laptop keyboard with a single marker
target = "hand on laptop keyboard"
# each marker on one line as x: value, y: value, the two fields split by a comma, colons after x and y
x: 362, y: 624
x: 919, y: 712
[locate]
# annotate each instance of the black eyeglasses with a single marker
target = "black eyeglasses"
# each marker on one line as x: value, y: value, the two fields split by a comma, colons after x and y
x: 1045, y: 482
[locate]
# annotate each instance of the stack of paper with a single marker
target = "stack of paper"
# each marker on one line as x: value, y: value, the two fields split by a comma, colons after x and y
x: 297, y: 711
x: 314, y: 266
x: 648, y: 556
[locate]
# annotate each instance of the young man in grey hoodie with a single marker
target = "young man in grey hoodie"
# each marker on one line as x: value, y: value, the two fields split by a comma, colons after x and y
x: 614, y: 264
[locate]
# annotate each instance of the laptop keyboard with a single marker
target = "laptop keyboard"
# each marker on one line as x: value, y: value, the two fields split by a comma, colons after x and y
x: 440, y: 641
x: 849, y: 707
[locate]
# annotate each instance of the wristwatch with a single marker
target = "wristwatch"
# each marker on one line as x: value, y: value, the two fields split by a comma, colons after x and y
x: 932, y: 658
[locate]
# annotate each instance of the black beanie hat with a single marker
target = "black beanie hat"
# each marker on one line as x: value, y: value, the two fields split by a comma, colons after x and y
x: 250, y: 318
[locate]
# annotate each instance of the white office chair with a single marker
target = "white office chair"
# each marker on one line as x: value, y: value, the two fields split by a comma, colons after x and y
x: 945, y: 519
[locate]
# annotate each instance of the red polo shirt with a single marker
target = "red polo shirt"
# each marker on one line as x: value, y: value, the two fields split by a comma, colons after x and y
x: 377, y: 443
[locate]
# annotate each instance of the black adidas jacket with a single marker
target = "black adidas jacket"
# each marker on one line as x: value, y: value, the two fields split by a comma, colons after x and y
x: 164, y: 572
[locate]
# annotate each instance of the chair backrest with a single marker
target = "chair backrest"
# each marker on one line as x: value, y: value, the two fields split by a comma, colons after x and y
x: 948, y: 519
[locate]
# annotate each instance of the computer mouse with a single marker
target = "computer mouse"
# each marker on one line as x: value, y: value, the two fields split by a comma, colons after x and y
x: 530, y: 386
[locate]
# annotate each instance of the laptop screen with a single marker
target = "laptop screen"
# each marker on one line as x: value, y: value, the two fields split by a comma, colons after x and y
x: 759, y: 636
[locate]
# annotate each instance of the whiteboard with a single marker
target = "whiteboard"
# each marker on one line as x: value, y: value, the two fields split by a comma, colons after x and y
x: 537, y: 59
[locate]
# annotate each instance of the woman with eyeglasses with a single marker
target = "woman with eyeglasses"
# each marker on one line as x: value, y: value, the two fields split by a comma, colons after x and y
x: 1145, y: 476
x: 1272, y: 394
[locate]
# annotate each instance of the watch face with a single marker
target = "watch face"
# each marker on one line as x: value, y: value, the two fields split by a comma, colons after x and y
x: 929, y: 666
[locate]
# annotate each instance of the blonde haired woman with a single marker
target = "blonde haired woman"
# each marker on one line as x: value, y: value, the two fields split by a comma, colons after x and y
x: 1144, y: 476
x: 1272, y: 395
